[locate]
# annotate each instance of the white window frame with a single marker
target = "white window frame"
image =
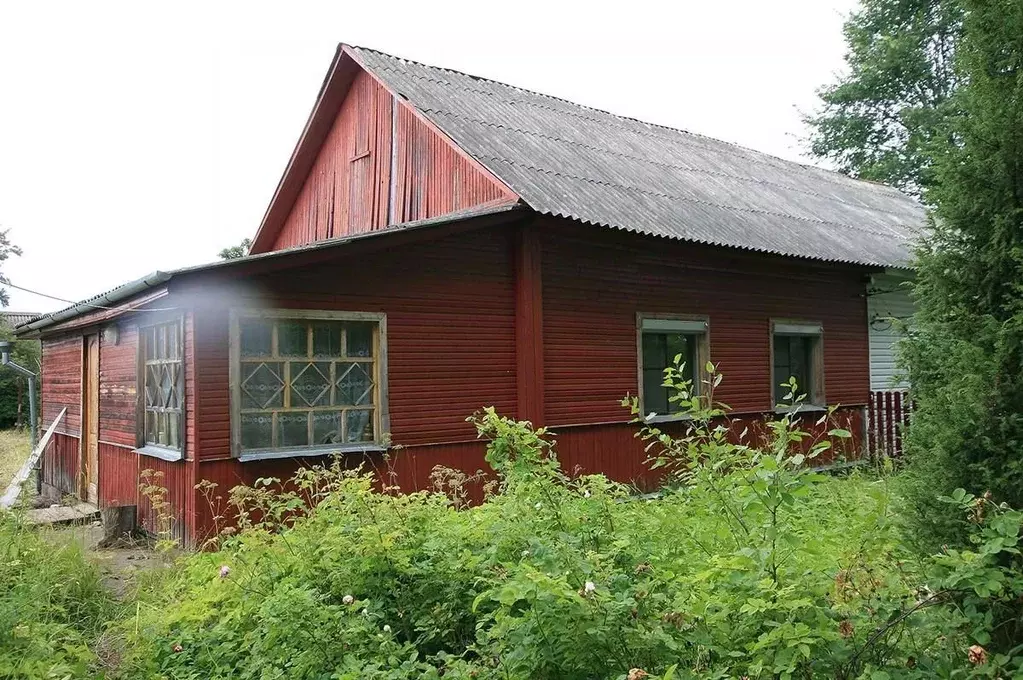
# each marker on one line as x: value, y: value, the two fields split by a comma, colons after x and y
x: 381, y: 423
x: 815, y: 398
x: 685, y: 324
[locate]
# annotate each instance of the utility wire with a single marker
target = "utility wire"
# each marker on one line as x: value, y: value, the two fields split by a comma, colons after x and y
x: 76, y: 303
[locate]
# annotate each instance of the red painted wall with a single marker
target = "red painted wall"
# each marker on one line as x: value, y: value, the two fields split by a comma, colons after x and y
x: 350, y: 188
x: 453, y: 343
x: 595, y: 282
x: 450, y: 332
x: 119, y: 465
x: 61, y: 382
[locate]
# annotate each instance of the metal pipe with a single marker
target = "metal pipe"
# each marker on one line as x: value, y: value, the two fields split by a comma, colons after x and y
x: 5, y: 359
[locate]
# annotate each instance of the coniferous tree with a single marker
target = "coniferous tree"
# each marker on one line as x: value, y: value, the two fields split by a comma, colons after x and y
x: 965, y: 355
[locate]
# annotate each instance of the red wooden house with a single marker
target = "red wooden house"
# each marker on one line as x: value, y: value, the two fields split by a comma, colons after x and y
x: 441, y: 242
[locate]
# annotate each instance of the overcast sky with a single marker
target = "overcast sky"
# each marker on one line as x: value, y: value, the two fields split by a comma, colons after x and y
x: 134, y: 139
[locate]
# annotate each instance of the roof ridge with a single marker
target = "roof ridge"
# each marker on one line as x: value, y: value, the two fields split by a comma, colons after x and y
x: 830, y: 174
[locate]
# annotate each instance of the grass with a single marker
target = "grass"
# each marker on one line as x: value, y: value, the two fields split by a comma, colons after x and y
x: 14, y: 449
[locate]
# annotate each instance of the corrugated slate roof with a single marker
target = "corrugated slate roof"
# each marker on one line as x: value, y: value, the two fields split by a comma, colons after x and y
x: 13, y: 319
x: 568, y: 160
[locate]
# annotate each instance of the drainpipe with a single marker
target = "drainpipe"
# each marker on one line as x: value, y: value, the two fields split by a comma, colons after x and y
x: 5, y: 359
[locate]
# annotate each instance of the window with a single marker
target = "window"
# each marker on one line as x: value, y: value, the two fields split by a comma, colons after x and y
x: 306, y: 381
x: 797, y: 353
x: 660, y: 341
x: 163, y: 387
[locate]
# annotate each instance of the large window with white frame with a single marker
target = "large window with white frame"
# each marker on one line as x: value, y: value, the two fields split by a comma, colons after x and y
x: 162, y: 378
x: 306, y: 381
x: 661, y: 340
x: 797, y: 352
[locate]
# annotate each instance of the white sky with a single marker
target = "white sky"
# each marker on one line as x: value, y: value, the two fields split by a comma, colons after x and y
x: 134, y: 138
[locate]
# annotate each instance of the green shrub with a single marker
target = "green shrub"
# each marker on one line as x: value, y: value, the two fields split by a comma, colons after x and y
x: 750, y: 565
x: 52, y: 606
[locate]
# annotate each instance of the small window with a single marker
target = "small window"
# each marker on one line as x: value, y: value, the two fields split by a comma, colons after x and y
x: 306, y: 382
x: 163, y: 386
x: 797, y: 353
x: 660, y: 341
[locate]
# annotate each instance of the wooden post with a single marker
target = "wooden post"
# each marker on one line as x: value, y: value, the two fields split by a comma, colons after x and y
x: 529, y: 367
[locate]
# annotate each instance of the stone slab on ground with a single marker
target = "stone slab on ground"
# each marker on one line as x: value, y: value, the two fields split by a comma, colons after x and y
x: 64, y: 514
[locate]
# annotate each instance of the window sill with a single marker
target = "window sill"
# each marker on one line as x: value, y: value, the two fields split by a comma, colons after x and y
x: 169, y: 455
x: 306, y: 453
x: 668, y: 418
x: 802, y: 408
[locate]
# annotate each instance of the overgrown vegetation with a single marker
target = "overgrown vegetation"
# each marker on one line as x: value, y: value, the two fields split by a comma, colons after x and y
x: 748, y: 564
x: 52, y: 606
x: 965, y: 355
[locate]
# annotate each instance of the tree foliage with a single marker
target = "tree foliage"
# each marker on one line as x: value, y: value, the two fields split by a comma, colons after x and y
x: 234, y: 252
x: 14, y: 407
x: 6, y: 250
x: 878, y: 119
x: 965, y: 356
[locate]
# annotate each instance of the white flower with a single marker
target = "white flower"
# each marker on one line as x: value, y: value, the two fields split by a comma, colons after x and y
x: 387, y: 628
x: 224, y: 571
x: 589, y: 587
x: 538, y: 505
x: 525, y: 553
x: 587, y: 494
x: 348, y: 599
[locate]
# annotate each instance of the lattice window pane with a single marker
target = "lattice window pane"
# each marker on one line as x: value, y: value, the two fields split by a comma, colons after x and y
x: 359, y: 426
x: 327, y: 339
x: 293, y: 428
x: 310, y: 384
x: 293, y: 339
x: 256, y: 337
x: 355, y: 384
x: 163, y: 384
x: 262, y: 385
x: 327, y: 427
x: 300, y: 385
x: 360, y: 339
x: 257, y: 430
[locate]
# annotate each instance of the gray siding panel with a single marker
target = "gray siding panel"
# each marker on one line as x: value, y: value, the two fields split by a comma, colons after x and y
x: 889, y: 308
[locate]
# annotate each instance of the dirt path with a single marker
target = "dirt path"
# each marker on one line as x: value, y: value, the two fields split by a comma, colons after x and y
x: 119, y: 566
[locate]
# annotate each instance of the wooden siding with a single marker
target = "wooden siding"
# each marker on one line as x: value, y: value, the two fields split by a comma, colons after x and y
x: 888, y: 307
x: 450, y: 332
x: 62, y: 383
x: 350, y: 188
x: 118, y: 395
x: 62, y: 464
x: 595, y: 284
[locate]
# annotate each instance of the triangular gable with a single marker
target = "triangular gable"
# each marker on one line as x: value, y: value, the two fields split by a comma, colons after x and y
x: 367, y: 160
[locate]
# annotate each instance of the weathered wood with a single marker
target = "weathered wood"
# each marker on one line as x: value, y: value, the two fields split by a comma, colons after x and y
x: 120, y: 525
x: 14, y: 488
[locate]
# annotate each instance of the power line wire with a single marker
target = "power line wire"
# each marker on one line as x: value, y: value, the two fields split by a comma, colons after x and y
x: 76, y: 303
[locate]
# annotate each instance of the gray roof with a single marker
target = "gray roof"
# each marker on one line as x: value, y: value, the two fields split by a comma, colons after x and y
x: 13, y: 319
x: 573, y: 161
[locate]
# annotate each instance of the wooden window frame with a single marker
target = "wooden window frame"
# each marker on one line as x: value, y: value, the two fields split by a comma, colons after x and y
x: 700, y: 326
x: 381, y: 421
x: 816, y: 400
x: 143, y: 447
